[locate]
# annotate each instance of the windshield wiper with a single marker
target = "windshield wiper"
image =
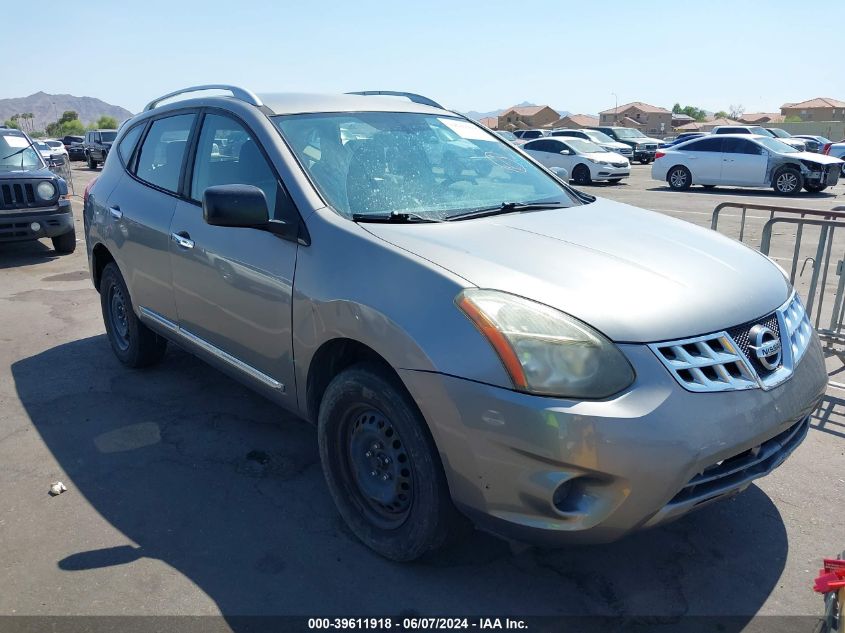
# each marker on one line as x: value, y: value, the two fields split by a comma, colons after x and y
x: 505, y: 207
x: 395, y: 217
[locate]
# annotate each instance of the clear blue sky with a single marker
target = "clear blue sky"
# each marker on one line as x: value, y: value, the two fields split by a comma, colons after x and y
x: 467, y: 55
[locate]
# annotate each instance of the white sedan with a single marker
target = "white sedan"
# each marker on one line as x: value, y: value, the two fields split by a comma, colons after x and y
x: 584, y: 160
x: 744, y: 160
x: 57, y: 147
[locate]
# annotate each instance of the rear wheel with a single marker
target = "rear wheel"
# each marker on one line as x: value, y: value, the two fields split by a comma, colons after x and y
x: 65, y: 244
x: 92, y: 164
x: 381, y: 465
x: 645, y: 161
x: 787, y: 181
x: 581, y: 175
x: 679, y: 178
x: 134, y: 344
x: 814, y: 187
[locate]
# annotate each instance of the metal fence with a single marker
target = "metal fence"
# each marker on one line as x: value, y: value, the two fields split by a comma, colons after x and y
x: 809, y: 243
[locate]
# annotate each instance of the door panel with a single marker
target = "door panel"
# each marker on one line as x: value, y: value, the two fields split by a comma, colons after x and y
x: 743, y: 162
x: 233, y: 290
x: 138, y: 219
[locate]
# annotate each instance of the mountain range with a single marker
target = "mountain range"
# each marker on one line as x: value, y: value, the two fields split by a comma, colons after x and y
x: 475, y: 114
x: 47, y: 108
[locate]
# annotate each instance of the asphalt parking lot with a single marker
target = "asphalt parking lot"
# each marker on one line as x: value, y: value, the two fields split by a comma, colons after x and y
x: 189, y: 494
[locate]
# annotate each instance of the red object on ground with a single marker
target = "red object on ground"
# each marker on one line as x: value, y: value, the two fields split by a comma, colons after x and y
x: 832, y: 577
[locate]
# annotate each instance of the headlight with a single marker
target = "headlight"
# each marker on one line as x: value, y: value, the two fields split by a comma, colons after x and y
x: 46, y: 190
x: 601, y: 162
x: 544, y: 350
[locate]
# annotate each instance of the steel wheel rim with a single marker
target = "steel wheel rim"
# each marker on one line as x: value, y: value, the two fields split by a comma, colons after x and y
x: 118, y: 317
x: 787, y: 182
x: 678, y: 178
x: 378, y: 467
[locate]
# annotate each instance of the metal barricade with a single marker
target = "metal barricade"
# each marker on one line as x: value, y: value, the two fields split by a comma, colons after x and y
x: 60, y: 165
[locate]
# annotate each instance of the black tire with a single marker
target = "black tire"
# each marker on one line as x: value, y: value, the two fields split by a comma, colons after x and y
x: 92, y: 164
x: 787, y: 181
x: 134, y: 344
x: 679, y: 178
x: 645, y: 161
x: 614, y: 180
x: 842, y: 171
x: 814, y: 188
x: 581, y: 175
x: 381, y: 465
x: 65, y: 244
x: 709, y: 186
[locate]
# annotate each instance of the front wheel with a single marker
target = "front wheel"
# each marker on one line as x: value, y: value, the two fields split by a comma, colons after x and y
x: 65, y: 244
x: 581, y: 175
x: 134, y: 344
x: 787, y: 181
x: 814, y: 187
x: 92, y: 164
x: 381, y: 465
x: 679, y: 178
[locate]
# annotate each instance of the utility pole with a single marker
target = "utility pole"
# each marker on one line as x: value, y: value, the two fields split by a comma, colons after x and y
x: 615, y: 108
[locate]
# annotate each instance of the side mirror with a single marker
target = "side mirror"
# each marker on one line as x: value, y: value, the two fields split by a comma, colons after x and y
x: 561, y: 173
x: 235, y: 205
x: 566, y: 152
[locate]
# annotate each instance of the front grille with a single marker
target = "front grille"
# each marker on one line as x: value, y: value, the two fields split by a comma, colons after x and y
x: 730, y: 473
x: 10, y: 230
x: 626, y: 152
x: 724, y: 361
x: 707, y: 363
x: 20, y: 194
x: 619, y: 165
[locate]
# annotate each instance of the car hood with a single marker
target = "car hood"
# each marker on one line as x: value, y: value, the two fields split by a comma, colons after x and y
x: 635, y: 275
x: 641, y: 140
x: 615, y: 145
x: 41, y: 172
x: 821, y: 159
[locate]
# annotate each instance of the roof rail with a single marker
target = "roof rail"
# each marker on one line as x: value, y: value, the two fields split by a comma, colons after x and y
x: 408, y: 95
x: 238, y: 93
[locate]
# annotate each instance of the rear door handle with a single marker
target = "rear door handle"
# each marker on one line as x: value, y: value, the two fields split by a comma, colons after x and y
x: 182, y: 239
x: 115, y: 212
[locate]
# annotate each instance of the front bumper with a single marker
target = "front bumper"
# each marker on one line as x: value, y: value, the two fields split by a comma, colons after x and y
x: 644, y: 154
x: 631, y: 461
x: 16, y: 226
x: 604, y: 172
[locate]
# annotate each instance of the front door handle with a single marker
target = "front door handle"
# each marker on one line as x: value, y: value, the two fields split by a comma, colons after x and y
x: 115, y: 212
x: 182, y: 239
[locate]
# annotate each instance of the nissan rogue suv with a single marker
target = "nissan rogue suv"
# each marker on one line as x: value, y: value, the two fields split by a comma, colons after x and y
x: 473, y: 339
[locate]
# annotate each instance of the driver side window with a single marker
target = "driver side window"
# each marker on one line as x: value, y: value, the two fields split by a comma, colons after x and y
x: 227, y: 154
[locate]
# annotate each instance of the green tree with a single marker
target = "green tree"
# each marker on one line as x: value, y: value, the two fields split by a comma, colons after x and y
x: 69, y: 115
x: 676, y: 109
x: 105, y: 123
x: 721, y: 114
x: 792, y: 118
x: 13, y: 122
x: 72, y: 126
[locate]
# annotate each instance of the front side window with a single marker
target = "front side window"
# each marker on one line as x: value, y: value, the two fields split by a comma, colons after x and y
x: 227, y: 154
x: 17, y: 154
x: 740, y: 146
x: 108, y: 137
x: 401, y: 162
x: 160, y: 159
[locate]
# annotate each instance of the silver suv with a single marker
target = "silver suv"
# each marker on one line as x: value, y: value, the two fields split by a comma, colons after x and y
x: 471, y: 336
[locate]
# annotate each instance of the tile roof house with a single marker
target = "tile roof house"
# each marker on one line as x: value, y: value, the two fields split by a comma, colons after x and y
x: 527, y: 117
x: 705, y: 126
x: 647, y: 118
x: 490, y: 122
x: 818, y: 109
x: 576, y: 121
x: 759, y: 118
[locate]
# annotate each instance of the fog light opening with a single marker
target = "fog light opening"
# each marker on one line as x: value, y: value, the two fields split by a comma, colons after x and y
x: 563, y: 498
x: 35, y: 227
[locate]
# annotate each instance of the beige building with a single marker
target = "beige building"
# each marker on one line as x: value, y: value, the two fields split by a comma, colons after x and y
x: 576, y: 121
x: 490, y: 122
x: 526, y: 117
x: 646, y: 118
x: 818, y: 109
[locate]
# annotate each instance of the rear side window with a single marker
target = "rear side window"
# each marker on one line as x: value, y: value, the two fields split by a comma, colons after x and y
x: 128, y: 142
x: 160, y: 158
x: 228, y: 155
x: 704, y: 145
